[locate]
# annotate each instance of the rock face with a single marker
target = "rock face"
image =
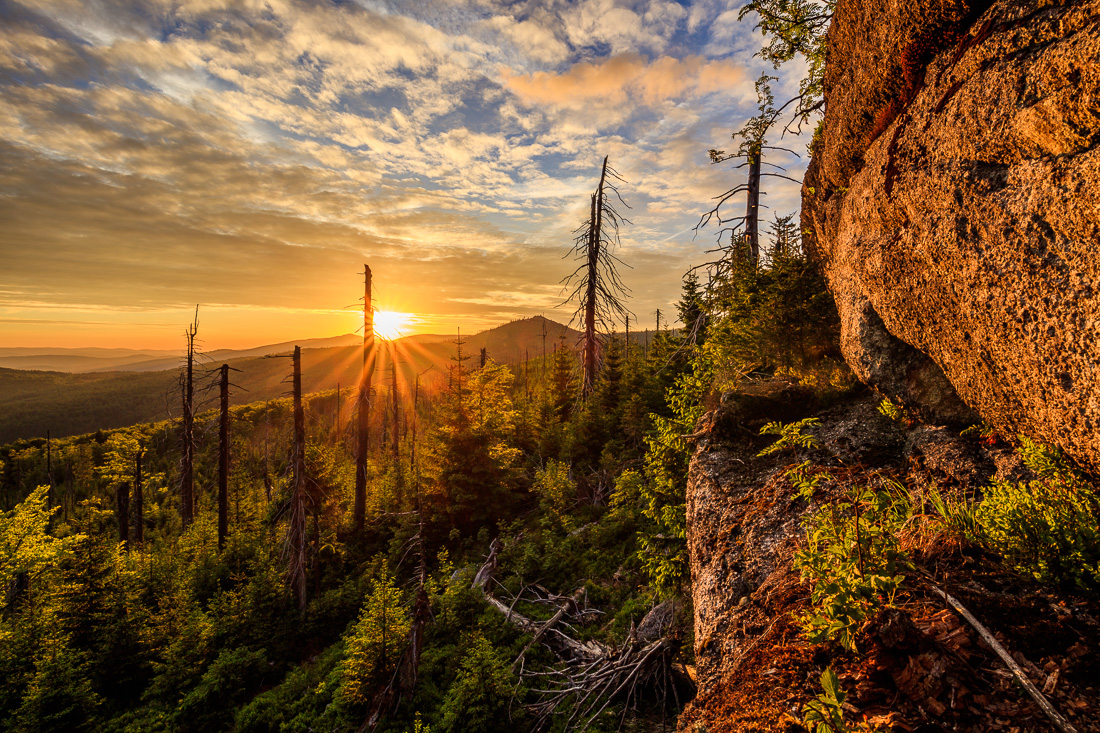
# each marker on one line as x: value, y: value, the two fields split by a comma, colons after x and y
x: 954, y: 195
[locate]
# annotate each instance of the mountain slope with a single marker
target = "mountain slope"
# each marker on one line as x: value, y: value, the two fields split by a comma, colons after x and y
x: 32, y: 402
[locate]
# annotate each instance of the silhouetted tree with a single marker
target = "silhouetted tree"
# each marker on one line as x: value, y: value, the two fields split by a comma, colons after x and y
x: 598, y: 289
x: 359, y: 512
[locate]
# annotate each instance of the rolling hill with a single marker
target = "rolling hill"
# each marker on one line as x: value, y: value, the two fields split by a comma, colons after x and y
x: 32, y: 402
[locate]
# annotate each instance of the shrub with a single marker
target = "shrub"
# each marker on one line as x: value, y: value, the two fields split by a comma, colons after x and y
x: 478, y: 701
x: 1049, y: 528
x: 790, y: 436
x: 853, y: 561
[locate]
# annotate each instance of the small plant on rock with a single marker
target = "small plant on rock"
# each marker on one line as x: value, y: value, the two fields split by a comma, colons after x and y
x: 854, y: 562
x: 790, y: 436
x: 1050, y: 528
x: 825, y: 713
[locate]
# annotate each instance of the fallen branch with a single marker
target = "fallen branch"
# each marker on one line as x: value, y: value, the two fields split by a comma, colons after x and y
x: 592, y: 675
x: 1055, y: 717
x: 568, y: 607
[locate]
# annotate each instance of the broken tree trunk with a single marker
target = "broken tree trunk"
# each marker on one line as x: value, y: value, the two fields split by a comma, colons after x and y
x: 752, y: 210
x: 138, y: 499
x: 595, y: 241
x: 295, y: 549
x: 223, y: 459
x: 363, y: 408
x: 187, y: 473
x: 122, y: 507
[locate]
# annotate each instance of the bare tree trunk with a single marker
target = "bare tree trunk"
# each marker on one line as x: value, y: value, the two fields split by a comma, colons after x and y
x: 49, y: 476
x: 187, y: 479
x: 223, y: 460
x: 122, y: 509
x: 139, y: 502
x: 363, y: 407
x: 395, y: 446
x: 595, y: 241
x: 295, y: 547
x: 752, y: 214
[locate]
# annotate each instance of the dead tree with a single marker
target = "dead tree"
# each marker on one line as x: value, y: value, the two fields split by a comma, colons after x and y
x: 395, y: 404
x: 295, y: 552
x: 49, y: 480
x: 590, y: 675
x: 363, y: 404
x: 138, y: 499
x: 187, y: 471
x: 122, y: 507
x: 223, y: 458
x: 597, y: 287
x: 744, y: 231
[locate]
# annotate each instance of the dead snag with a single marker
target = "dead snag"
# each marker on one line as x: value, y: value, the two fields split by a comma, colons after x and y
x: 599, y: 291
x: 223, y: 459
x: 187, y: 470
x: 138, y: 499
x: 294, y: 548
x: 363, y: 408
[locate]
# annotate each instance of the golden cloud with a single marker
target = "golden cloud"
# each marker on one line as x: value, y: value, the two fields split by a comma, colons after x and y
x: 629, y: 77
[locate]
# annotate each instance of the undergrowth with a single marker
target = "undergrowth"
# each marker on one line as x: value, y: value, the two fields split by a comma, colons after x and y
x: 853, y: 561
x: 1048, y: 528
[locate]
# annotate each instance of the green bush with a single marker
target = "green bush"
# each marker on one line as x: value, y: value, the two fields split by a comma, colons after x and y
x: 1049, y: 528
x: 479, y: 699
x: 853, y: 561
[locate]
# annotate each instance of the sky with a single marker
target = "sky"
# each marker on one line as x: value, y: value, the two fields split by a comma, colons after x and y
x: 250, y: 157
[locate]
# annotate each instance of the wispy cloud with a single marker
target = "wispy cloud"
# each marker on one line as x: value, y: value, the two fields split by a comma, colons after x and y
x: 158, y: 154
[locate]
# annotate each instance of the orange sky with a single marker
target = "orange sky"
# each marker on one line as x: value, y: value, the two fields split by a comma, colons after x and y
x: 160, y: 154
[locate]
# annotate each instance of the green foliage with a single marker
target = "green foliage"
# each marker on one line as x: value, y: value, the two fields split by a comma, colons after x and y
x: 853, y: 561
x: 825, y: 713
x: 957, y: 517
x: 890, y: 410
x: 1049, y: 528
x: 478, y: 701
x: 802, y: 482
x: 779, y: 316
x: 471, y: 459
x: 790, y: 436
x: 375, y: 643
x: 26, y: 546
x: 556, y: 491
x: 795, y: 28
x: 229, y: 680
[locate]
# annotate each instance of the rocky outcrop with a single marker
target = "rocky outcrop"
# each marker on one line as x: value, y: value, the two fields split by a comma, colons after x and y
x: 917, y: 665
x: 954, y: 196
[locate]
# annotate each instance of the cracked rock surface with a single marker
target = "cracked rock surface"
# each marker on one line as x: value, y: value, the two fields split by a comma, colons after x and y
x: 954, y: 195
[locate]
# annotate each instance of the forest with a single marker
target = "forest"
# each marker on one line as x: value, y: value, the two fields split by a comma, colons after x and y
x: 712, y: 527
x: 519, y: 560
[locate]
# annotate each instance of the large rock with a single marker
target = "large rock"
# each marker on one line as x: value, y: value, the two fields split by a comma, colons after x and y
x: 954, y: 194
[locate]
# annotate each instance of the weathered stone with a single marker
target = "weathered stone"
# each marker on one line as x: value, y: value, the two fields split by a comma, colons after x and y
x: 954, y: 196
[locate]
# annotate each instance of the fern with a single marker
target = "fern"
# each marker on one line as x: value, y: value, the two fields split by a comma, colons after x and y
x: 790, y: 436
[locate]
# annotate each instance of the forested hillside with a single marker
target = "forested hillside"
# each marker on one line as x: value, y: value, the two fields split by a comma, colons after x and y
x: 34, y: 402
x: 571, y: 505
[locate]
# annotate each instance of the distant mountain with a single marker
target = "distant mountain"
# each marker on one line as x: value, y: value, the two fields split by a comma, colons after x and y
x: 32, y: 402
x: 79, y: 361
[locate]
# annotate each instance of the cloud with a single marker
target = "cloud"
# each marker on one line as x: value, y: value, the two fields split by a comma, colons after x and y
x: 256, y: 153
x: 629, y: 78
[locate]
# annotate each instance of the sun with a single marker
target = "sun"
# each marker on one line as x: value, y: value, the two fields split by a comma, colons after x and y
x: 388, y: 324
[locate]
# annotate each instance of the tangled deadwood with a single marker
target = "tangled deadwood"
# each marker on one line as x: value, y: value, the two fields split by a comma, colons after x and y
x: 590, y: 676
